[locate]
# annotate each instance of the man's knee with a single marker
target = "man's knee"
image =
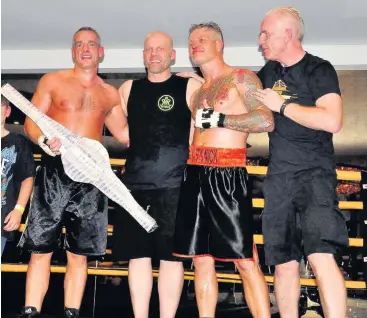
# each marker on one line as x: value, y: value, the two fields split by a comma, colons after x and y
x: 247, y: 267
x: 321, y: 262
x: 76, y: 260
x: 287, y: 269
x: 40, y: 259
x: 204, y: 264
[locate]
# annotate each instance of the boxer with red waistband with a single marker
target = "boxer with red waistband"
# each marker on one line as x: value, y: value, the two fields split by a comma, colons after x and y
x: 214, y: 216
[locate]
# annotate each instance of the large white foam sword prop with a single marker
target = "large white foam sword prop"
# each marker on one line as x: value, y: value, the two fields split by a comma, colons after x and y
x: 84, y: 160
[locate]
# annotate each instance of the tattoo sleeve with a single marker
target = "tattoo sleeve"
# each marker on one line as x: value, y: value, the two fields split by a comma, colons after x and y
x: 259, y: 118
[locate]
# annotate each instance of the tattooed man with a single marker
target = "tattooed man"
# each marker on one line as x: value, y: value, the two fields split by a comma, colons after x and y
x: 214, y: 218
x: 79, y: 100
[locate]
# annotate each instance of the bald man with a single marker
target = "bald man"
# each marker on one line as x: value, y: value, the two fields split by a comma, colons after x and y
x: 159, y: 118
x: 301, y: 209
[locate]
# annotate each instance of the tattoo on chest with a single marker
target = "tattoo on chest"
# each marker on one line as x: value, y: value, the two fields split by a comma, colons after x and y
x: 216, y: 93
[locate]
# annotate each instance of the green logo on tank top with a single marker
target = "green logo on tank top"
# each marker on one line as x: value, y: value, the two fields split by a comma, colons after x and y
x: 166, y: 103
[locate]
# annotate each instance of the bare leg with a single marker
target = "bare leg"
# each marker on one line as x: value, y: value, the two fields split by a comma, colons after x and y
x: 140, y: 284
x: 255, y: 287
x: 331, y: 284
x: 170, y: 283
x: 287, y: 289
x: 75, y: 279
x: 38, y: 277
x: 206, y: 286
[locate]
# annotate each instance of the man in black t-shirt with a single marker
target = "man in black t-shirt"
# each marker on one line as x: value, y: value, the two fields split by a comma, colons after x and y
x: 301, y: 212
x: 17, y: 173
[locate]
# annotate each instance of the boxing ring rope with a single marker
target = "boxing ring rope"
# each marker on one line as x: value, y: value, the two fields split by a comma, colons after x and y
x: 104, y: 268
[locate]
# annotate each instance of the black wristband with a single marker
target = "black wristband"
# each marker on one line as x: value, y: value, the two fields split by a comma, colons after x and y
x: 282, y: 108
x: 221, y: 120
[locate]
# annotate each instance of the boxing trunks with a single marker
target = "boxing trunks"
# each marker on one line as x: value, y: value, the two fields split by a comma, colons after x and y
x: 58, y: 201
x: 214, y: 216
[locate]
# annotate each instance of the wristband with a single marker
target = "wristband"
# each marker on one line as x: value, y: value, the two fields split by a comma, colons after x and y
x: 19, y: 208
x: 221, y: 120
x: 282, y: 108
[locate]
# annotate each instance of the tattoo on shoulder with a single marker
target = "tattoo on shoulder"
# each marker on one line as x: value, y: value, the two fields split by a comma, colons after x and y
x: 250, y: 83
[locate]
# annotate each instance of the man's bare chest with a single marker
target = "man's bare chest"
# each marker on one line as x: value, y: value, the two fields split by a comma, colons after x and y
x: 222, y: 95
x: 84, y: 100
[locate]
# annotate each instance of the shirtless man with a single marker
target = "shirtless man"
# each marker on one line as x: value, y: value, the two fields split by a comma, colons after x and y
x: 79, y: 100
x: 159, y: 119
x: 214, y: 217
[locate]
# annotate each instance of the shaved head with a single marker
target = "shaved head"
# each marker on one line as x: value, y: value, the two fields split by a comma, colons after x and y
x: 160, y: 36
x: 158, y: 52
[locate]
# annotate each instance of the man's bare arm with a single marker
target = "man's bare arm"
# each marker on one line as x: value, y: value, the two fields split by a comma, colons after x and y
x: 192, y: 86
x: 116, y: 121
x: 259, y: 118
x: 42, y: 100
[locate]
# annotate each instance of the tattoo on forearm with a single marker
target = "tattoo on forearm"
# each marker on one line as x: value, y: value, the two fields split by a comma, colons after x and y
x: 253, y: 122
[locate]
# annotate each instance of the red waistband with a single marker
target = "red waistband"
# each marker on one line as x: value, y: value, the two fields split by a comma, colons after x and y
x: 217, y: 157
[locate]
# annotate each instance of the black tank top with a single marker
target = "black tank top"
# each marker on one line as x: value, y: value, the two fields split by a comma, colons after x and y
x: 159, y: 128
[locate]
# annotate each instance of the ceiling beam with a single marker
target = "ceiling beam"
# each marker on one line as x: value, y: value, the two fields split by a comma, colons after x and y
x: 343, y: 57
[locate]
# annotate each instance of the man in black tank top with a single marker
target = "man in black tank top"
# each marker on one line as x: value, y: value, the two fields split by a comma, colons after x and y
x: 301, y: 213
x: 159, y: 131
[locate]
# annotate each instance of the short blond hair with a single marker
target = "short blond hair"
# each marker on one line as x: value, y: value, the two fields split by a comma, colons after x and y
x: 294, y: 14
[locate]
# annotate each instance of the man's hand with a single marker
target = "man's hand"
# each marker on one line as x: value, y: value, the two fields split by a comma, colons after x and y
x: 208, y: 118
x: 13, y: 220
x: 50, y: 146
x: 191, y: 75
x: 270, y: 99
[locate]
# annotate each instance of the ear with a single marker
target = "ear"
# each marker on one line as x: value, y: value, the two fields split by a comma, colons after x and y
x: 173, y: 55
x: 219, y: 45
x: 101, y: 52
x: 73, y: 54
x: 288, y: 35
x: 8, y: 111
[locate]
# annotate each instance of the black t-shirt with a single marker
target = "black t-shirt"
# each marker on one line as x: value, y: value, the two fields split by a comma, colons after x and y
x: 294, y: 147
x: 17, y: 164
x: 159, y: 129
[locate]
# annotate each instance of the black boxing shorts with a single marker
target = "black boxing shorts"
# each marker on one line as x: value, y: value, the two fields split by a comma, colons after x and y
x: 58, y: 202
x: 214, y: 216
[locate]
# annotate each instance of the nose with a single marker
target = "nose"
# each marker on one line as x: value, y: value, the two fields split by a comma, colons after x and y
x: 261, y: 39
x: 86, y: 47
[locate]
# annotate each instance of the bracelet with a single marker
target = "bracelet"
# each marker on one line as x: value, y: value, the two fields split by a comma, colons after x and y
x: 19, y: 207
x: 282, y: 108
